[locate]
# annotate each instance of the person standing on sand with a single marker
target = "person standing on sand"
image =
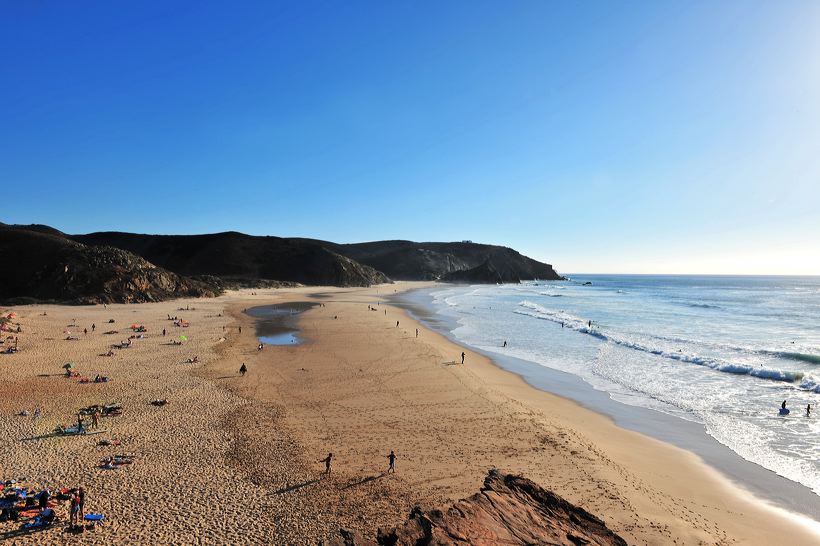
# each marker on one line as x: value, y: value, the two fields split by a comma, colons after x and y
x: 81, y: 499
x: 163, y: 332
x: 73, y: 509
x: 462, y: 357
x: 392, y: 459
x: 328, y: 463
x: 243, y: 370
x: 85, y: 331
x: 417, y: 332
x: 95, y: 419
x: 240, y: 329
x: 397, y: 324
x: 93, y: 326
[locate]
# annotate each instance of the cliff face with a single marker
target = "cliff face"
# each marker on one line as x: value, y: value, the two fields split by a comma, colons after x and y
x: 43, y: 265
x: 234, y: 259
x: 508, y: 510
x: 239, y: 256
x: 486, y: 273
x: 409, y: 260
x: 315, y: 262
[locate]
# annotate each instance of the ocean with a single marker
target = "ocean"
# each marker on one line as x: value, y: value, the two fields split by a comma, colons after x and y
x: 722, y: 352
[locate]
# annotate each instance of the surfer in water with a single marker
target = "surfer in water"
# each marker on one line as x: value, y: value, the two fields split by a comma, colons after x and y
x: 808, y: 410
x: 783, y: 405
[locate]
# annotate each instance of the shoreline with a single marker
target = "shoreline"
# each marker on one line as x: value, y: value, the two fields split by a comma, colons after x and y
x: 769, y: 487
x: 358, y: 385
x: 647, y: 490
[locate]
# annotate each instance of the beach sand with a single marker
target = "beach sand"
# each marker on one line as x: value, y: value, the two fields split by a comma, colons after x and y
x: 235, y: 460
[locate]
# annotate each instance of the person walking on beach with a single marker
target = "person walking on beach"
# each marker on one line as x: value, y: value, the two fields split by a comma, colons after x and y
x: 417, y: 332
x: 243, y: 370
x: 85, y: 331
x: 163, y: 332
x: 392, y: 460
x: 505, y: 343
x: 462, y: 357
x: 397, y: 324
x: 93, y: 326
x: 328, y: 463
x: 95, y: 419
x: 240, y: 329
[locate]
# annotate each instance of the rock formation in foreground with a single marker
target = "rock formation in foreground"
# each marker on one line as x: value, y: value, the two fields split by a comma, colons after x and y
x: 39, y: 264
x: 509, y: 510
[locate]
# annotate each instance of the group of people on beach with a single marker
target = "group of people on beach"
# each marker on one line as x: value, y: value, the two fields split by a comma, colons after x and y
x: 19, y: 501
x: 391, y: 463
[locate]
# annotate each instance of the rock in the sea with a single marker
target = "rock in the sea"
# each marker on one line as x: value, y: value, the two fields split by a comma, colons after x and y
x: 509, y: 510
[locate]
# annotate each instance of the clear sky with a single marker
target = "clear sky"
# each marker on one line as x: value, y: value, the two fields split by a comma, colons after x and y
x: 669, y: 137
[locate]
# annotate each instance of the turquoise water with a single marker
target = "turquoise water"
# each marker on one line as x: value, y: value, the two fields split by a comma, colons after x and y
x: 721, y: 351
x: 285, y: 338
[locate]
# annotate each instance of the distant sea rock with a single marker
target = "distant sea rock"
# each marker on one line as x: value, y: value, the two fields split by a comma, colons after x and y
x: 508, y: 510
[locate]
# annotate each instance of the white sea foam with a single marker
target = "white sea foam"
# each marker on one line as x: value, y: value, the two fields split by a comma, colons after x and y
x: 722, y: 352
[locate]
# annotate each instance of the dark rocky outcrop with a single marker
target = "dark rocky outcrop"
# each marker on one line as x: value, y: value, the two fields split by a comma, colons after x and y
x: 486, y: 273
x: 315, y: 262
x: 43, y: 265
x: 239, y: 256
x: 508, y: 510
x: 408, y: 260
x: 223, y: 260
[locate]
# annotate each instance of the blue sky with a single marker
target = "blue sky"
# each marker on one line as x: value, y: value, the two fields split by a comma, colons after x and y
x: 599, y: 137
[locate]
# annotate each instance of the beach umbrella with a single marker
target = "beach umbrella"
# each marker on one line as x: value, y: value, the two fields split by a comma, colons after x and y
x: 183, y: 338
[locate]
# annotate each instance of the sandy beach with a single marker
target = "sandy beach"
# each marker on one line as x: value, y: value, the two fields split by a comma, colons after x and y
x: 235, y: 460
